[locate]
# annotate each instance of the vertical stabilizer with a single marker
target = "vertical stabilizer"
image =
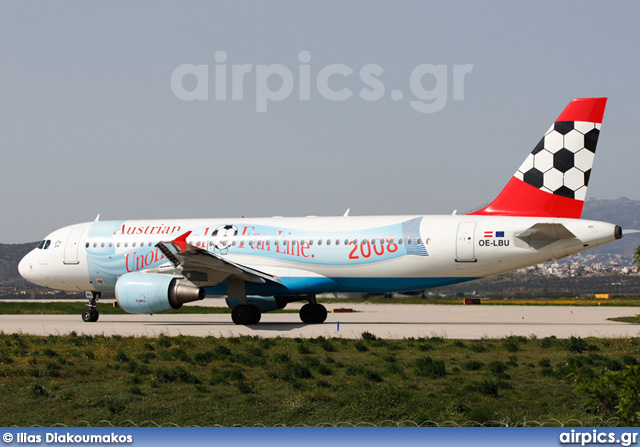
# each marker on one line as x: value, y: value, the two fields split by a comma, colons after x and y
x: 553, y: 180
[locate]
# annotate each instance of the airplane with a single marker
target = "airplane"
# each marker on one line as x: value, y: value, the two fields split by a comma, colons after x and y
x: 261, y: 265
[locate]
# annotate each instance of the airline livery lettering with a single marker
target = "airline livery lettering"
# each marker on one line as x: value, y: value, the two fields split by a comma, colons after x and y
x: 149, y: 229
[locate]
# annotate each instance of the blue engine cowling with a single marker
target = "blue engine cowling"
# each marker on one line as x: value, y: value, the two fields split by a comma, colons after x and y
x: 152, y: 293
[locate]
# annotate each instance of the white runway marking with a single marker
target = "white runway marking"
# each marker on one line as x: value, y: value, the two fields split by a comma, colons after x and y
x: 384, y: 320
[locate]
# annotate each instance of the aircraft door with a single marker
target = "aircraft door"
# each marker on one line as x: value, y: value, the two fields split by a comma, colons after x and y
x: 465, y: 242
x: 71, y: 249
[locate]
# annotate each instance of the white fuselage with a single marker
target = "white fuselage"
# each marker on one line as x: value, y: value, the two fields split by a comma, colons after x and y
x: 313, y: 254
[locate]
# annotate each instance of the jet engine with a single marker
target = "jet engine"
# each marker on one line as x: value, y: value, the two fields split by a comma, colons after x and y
x: 152, y: 293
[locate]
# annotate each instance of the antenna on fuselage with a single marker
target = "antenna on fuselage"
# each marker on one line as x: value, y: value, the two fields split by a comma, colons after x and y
x: 97, y: 217
x: 346, y: 213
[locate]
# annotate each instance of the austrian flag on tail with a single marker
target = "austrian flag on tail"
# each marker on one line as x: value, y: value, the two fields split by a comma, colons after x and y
x: 553, y: 180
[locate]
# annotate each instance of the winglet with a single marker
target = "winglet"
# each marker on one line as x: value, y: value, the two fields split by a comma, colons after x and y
x: 181, y: 241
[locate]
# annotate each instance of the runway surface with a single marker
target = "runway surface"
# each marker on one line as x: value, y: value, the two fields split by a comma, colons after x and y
x: 384, y: 320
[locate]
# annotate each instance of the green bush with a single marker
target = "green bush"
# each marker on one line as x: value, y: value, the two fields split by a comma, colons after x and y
x: 427, y: 367
x: 614, y: 394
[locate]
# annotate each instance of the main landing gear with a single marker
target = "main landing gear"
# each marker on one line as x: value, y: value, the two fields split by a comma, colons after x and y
x: 91, y: 315
x: 313, y: 313
x: 246, y: 314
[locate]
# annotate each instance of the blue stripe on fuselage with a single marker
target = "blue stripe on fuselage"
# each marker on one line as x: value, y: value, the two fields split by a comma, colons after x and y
x: 315, y: 285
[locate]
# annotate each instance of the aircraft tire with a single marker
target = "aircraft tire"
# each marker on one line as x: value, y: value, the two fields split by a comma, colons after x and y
x: 307, y: 314
x: 255, y: 314
x: 245, y: 314
x: 86, y: 316
x: 320, y: 314
x: 313, y: 313
x: 90, y: 316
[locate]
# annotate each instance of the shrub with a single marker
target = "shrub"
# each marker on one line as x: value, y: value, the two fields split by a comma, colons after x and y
x: 202, y: 358
x: 488, y: 388
x: 303, y: 349
x: 616, y: 393
x: 299, y: 371
x: 121, y: 357
x: 244, y: 388
x: 368, y: 336
x: 545, y: 363
x: 428, y: 367
x: 472, y: 365
x: 38, y: 391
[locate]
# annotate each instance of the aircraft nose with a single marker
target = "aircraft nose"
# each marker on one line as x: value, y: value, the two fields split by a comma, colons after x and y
x: 25, y: 267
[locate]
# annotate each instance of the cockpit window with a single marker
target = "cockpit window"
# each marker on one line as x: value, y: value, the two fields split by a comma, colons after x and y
x: 47, y: 243
x: 41, y: 245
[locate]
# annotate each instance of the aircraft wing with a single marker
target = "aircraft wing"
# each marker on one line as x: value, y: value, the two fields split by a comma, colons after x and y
x: 208, y: 269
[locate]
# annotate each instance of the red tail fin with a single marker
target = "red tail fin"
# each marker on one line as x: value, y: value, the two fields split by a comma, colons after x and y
x: 553, y: 180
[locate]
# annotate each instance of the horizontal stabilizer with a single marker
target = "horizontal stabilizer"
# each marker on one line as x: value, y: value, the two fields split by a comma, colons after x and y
x: 543, y: 234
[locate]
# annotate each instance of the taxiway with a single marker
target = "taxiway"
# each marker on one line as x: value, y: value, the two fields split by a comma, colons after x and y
x: 383, y: 320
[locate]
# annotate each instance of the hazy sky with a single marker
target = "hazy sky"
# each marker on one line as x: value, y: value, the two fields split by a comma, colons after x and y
x: 89, y: 122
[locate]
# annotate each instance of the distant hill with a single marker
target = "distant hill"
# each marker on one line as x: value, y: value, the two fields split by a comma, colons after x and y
x: 624, y: 212
x: 10, y: 255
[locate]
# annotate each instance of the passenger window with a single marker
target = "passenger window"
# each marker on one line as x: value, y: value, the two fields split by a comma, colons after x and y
x: 310, y: 242
x: 328, y: 241
x: 419, y: 241
x: 346, y: 242
x: 234, y: 243
x: 86, y: 245
x: 102, y: 245
x: 126, y: 244
x: 319, y: 241
x: 400, y: 241
x: 95, y: 244
x: 337, y: 241
x: 110, y: 244
x: 134, y: 244
x: 118, y: 245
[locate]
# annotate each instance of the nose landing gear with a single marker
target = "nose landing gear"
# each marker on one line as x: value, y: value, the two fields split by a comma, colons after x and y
x: 91, y: 315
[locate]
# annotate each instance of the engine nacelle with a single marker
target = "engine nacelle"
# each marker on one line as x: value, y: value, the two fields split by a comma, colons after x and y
x: 153, y: 293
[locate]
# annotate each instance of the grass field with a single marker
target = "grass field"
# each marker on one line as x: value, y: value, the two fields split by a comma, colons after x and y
x: 76, y: 380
